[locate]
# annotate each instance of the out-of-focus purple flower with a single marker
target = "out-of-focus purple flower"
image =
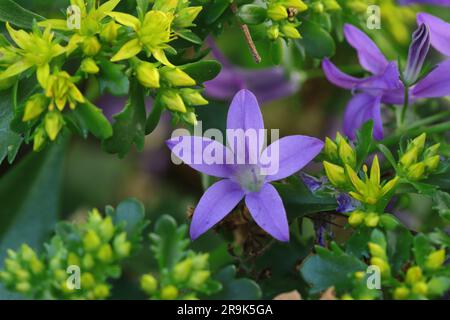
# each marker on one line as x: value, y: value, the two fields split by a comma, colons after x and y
x: 244, y: 179
x: 439, y: 32
x: 312, y: 183
x: 345, y: 203
x: 417, y: 53
x: 433, y: 2
x: 384, y: 86
x: 267, y: 84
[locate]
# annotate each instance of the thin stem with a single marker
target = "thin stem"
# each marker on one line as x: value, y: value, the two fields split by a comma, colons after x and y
x: 405, y: 104
x: 247, y: 35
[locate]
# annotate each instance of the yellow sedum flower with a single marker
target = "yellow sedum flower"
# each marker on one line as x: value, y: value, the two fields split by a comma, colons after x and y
x: 369, y: 191
x: 61, y: 90
x: 35, y: 49
x: 152, y: 35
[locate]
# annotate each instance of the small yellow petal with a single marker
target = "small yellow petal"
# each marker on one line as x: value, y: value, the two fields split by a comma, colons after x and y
x: 160, y: 55
x: 42, y: 74
x: 356, y: 181
x: 389, y: 185
x: 15, y: 69
x: 126, y: 19
x: 375, y: 171
x: 129, y: 50
x: 20, y: 37
x: 55, y: 24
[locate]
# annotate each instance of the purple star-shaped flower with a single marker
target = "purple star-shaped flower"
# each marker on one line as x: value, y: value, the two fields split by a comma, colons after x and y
x: 245, y: 179
x: 385, y: 86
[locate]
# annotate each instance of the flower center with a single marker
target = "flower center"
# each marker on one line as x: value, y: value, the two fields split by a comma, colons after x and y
x: 249, y: 177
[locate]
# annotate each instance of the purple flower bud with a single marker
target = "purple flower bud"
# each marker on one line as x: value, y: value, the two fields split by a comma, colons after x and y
x: 417, y: 53
x: 345, y: 203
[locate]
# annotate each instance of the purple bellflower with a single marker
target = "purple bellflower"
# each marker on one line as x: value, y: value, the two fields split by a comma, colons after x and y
x: 244, y: 180
x: 385, y: 85
x: 439, y: 32
x: 267, y: 84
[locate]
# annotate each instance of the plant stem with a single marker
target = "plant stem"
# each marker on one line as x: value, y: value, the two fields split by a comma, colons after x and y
x: 247, y: 35
x: 405, y: 104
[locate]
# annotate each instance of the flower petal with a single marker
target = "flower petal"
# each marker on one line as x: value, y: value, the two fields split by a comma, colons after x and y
x: 126, y: 19
x: 202, y: 154
x: 268, y: 212
x: 435, y: 84
x: 337, y: 77
x: 245, y: 114
x: 290, y: 154
x: 215, y: 204
x: 439, y: 32
x: 362, y: 108
x: 370, y: 57
x: 129, y: 50
x: 15, y: 69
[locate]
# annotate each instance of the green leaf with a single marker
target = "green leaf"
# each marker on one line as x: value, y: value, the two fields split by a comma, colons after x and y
x: 364, y: 142
x: 169, y: 242
x: 113, y: 79
x: 299, y: 201
x: 252, y: 14
x: 357, y: 243
x: 10, y: 141
x: 441, y: 203
x: 129, y: 126
x: 330, y: 269
x: 213, y: 11
x: 94, y: 120
x: 13, y: 13
x: 188, y: 35
x: 30, y: 196
x: 422, y: 248
x: 235, y: 289
x: 202, y: 71
x: 316, y: 41
x: 388, y: 154
x: 154, y: 117
x: 131, y: 212
x: 399, y: 243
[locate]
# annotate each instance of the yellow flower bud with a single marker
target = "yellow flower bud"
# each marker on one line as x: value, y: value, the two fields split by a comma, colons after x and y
x: 420, y: 288
x: 109, y: 31
x: 35, y: 105
x: 376, y: 250
x: 277, y: 12
x: 185, y: 17
x: 401, y: 293
x: 432, y: 151
x: 190, y: 118
x: 290, y: 31
x: 419, y: 142
x: 53, y: 124
x: 193, y: 97
x: 106, y: 229
x: 416, y: 171
x: 122, y: 247
x: 87, y: 280
x: 73, y: 259
x: 101, y: 291
x: 22, y: 274
x: 273, y: 32
x: 385, y: 269
x: 88, y: 65
x: 23, y: 287
x: 200, y: 261
x: 105, y: 253
x: 435, y: 259
x: 371, y: 220
x: 91, y: 46
x: 147, y: 74
x: 88, y: 262
x: 346, y: 153
x: 330, y: 149
x: 198, y: 278
x: 36, y: 265
x: 335, y: 174
x: 296, y: 4
x: 356, y: 218
x: 409, y: 157
x: 91, y: 240
x: 413, y: 275
x: 331, y: 5
x: 318, y: 7
x: 360, y: 275
x: 182, y: 270
x: 173, y: 101
x: 177, y: 77
x: 169, y: 293
x: 347, y: 296
x: 432, y: 163
x: 149, y: 284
